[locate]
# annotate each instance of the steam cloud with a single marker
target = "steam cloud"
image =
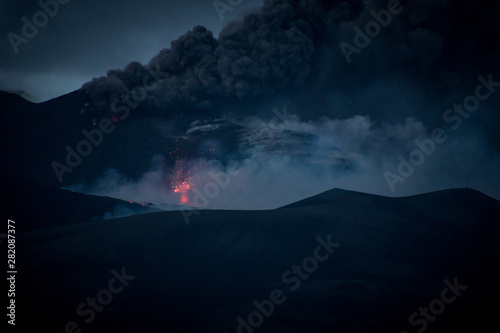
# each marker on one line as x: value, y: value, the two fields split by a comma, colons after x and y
x: 303, y: 158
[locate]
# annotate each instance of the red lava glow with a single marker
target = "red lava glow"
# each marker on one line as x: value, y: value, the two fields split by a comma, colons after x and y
x: 139, y: 203
x: 180, y: 183
x: 183, y: 189
x: 182, y: 180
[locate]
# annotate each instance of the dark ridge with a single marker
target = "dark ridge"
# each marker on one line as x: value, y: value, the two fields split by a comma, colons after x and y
x: 13, y: 107
x: 333, y: 196
x: 8, y: 99
x: 36, y: 206
x: 394, y: 256
x: 337, y: 196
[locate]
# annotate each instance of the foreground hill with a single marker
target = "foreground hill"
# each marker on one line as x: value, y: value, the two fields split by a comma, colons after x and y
x: 38, y: 206
x: 155, y: 273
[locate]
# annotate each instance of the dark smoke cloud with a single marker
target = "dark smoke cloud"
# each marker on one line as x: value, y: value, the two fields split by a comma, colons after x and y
x: 394, y: 91
x: 434, y: 49
x: 262, y: 54
x: 86, y: 38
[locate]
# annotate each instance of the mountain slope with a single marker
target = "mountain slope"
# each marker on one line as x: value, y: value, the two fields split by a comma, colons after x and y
x: 392, y: 259
x: 39, y: 207
x: 39, y: 134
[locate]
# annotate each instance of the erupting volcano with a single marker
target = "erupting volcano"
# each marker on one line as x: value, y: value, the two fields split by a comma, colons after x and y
x: 183, y: 180
x: 180, y: 178
x: 180, y: 182
x: 183, y: 189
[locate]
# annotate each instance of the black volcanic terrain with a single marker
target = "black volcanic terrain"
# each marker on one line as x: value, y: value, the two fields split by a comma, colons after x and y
x: 42, y: 207
x: 391, y: 257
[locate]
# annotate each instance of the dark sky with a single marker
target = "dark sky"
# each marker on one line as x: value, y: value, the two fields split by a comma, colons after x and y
x: 86, y: 38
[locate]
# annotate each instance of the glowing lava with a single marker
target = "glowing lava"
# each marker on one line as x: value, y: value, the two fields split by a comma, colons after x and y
x: 183, y: 180
x: 179, y: 181
x: 183, y: 189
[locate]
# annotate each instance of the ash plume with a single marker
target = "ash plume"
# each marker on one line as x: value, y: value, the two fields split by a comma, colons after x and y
x: 264, y: 53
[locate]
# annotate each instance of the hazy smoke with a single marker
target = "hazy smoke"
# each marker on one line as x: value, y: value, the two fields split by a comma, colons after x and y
x: 289, y: 162
x: 122, y: 211
x: 153, y: 187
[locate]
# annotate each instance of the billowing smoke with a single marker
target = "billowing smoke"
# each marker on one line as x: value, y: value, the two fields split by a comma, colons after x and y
x: 292, y: 47
x: 265, y: 53
x: 369, y: 83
